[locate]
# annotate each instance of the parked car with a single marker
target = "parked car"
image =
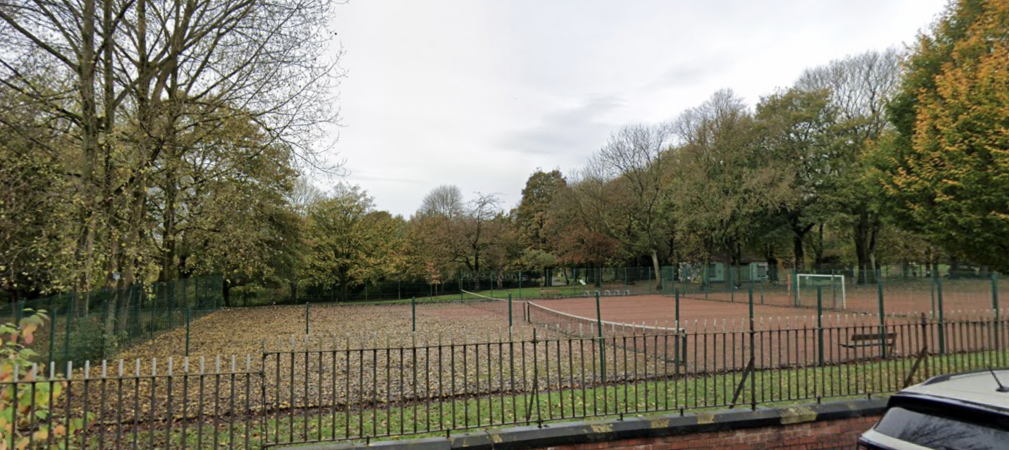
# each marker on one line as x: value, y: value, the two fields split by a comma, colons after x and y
x: 967, y: 411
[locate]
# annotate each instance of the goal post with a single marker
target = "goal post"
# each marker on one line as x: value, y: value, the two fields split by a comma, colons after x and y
x: 834, y: 294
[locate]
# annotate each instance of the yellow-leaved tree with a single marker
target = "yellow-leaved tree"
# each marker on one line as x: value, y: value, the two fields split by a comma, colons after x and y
x: 947, y: 168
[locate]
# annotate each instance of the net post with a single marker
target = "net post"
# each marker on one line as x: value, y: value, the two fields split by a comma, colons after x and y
x: 882, y: 317
x: 602, y: 346
x: 819, y: 323
x: 413, y: 313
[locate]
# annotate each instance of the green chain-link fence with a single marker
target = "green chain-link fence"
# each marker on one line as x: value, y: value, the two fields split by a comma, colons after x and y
x: 95, y: 325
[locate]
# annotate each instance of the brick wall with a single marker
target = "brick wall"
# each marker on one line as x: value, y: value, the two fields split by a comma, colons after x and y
x: 829, y: 435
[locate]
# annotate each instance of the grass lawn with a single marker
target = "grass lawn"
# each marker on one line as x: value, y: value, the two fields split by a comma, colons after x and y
x: 640, y: 398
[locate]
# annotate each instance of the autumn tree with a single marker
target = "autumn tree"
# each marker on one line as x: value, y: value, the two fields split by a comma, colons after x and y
x: 860, y: 87
x: 796, y: 137
x: 531, y: 216
x: 573, y: 232
x: 628, y: 174
x: 233, y: 215
x: 142, y: 85
x: 34, y: 231
x: 349, y: 242
x: 947, y: 167
x: 720, y: 185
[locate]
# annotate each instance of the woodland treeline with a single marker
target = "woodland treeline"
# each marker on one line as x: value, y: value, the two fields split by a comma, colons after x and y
x: 160, y: 139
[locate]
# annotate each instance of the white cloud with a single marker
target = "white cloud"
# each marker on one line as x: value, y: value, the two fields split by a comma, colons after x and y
x: 480, y: 93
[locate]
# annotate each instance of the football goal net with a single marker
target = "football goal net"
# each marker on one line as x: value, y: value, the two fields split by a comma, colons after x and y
x: 831, y: 288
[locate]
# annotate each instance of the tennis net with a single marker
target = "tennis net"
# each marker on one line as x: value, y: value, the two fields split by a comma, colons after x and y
x: 573, y: 325
x: 664, y: 341
x: 493, y: 305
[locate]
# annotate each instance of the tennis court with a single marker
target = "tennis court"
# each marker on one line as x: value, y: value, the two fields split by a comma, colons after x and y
x: 660, y: 310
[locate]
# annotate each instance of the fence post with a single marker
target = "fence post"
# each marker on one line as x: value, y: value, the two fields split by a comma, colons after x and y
x: 520, y: 283
x: 413, y: 313
x: 170, y: 293
x: 732, y: 286
x: 307, y: 316
x: 649, y: 280
x: 931, y: 292
x: 833, y: 288
x: 994, y: 293
x: 882, y: 317
x: 602, y: 346
x: 994, y: 304
x: 819, y: 323
x: 677, y: 296
x: 52, y: 331
x: 706, y: 279
x: 925, y: 339
x: 795, y: 286
x: 753, y: 351
x: 70, y: 324
x: 188, y: 318
x: 105, y: 315
x: 942, y: 321
x: 510, y: 323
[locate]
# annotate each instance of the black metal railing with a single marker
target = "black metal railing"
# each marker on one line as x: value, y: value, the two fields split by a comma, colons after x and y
x: 362, y: 392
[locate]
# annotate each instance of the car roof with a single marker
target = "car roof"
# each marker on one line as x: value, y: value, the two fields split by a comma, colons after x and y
x: 978, y: 389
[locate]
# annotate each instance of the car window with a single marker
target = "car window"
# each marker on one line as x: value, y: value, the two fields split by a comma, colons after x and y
x: 940, y: 432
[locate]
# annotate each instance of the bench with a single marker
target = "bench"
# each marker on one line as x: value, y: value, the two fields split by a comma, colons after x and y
x: 872, y: 340
x: 550, y: 293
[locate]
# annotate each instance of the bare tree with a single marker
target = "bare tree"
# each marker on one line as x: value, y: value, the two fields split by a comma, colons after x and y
x: 480, y: 232
x: 303, y: 194
x: 444, y: 200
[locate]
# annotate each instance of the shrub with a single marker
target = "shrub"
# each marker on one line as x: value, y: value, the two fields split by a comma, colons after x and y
x: 15, y: 372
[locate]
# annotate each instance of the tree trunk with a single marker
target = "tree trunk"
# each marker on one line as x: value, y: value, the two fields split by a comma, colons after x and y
x: 799, y: 234
x: 866, y: 230
x: 227, y: 293
x: 772, y: 263
x: 818, y: 248
x: 658, y: 273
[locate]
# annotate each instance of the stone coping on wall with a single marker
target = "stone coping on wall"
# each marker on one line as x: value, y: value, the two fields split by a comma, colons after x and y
x: 570, y: 433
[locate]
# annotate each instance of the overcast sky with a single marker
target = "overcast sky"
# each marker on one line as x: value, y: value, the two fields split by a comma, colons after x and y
x: 480, y: 93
